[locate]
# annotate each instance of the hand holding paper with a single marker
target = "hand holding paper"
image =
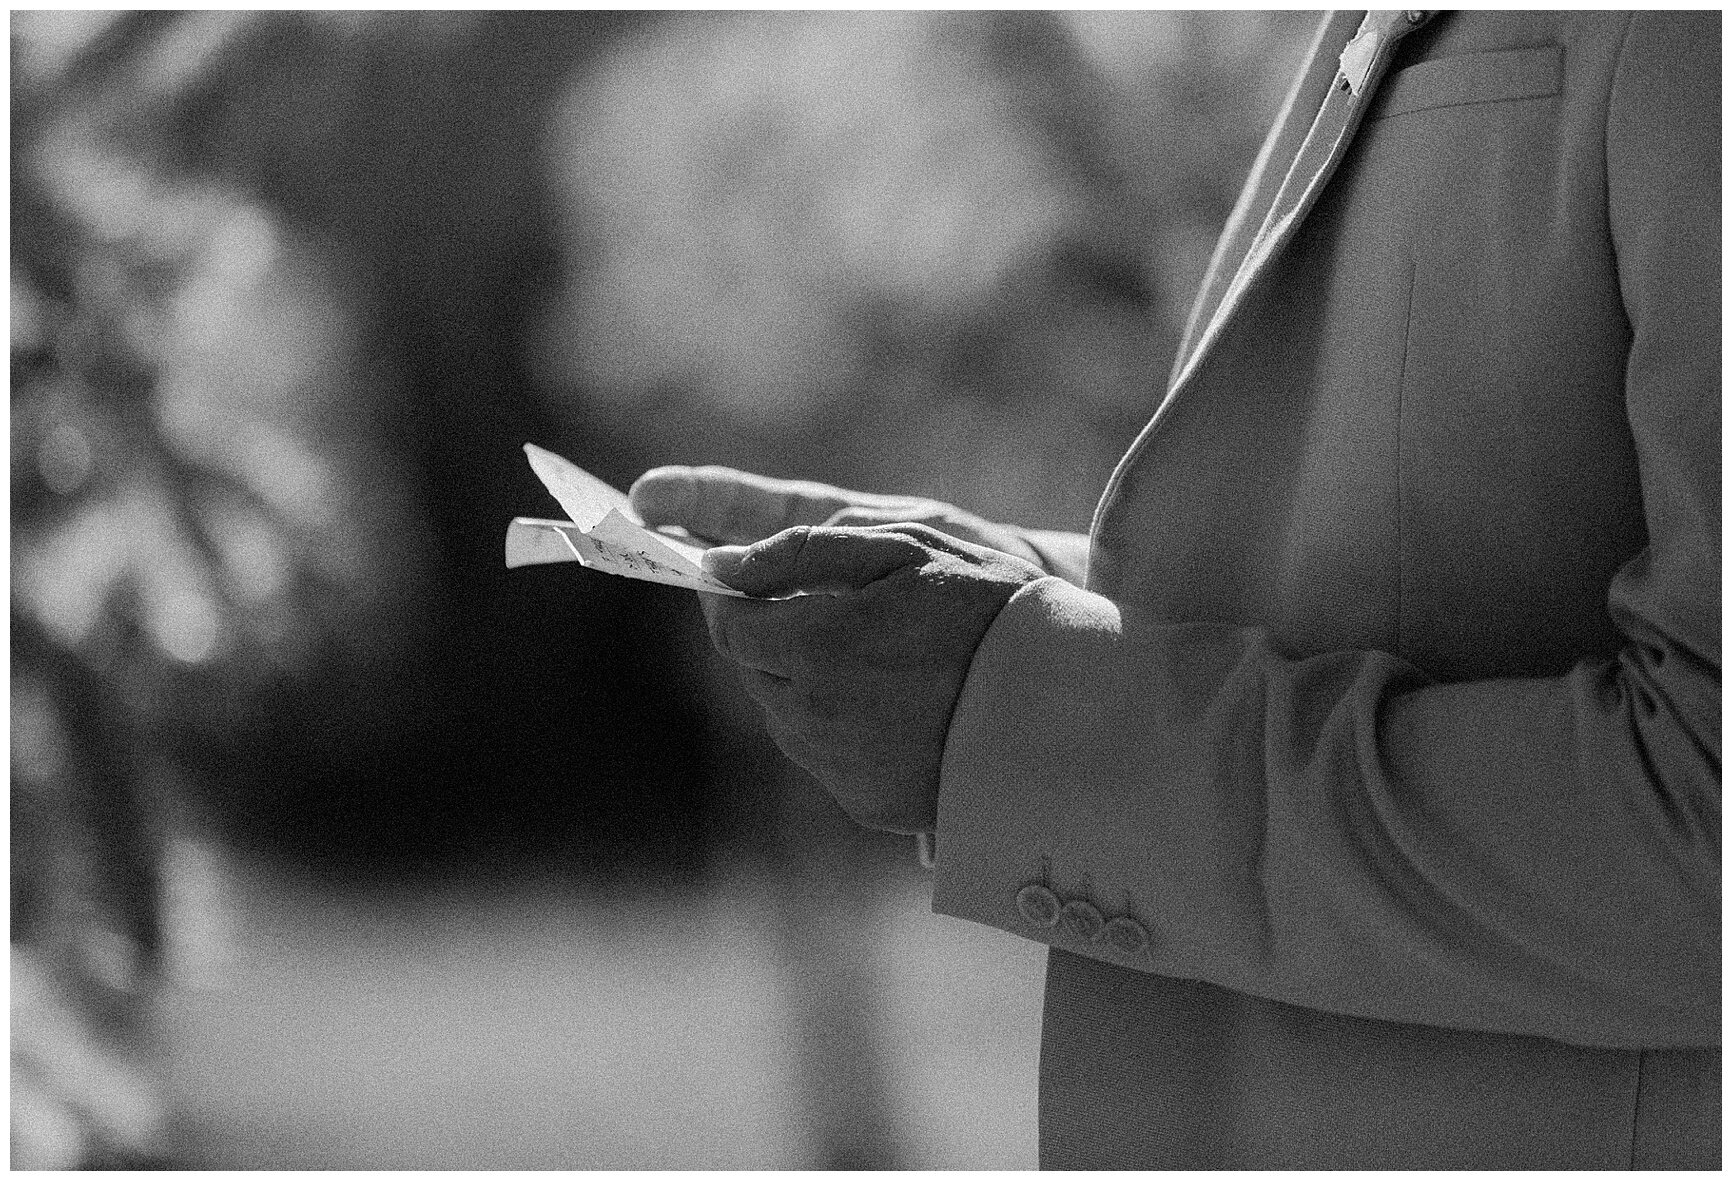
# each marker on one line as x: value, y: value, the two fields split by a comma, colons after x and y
x: 858, y: 678
x: 742, y: 508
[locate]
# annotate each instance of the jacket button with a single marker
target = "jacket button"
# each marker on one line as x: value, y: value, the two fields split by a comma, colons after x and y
x: 1078, y: 918
x: 1126, y: 935
x: 1038, y: 905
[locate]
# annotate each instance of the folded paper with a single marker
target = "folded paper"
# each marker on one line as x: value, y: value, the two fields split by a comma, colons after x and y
x: 603, y: 532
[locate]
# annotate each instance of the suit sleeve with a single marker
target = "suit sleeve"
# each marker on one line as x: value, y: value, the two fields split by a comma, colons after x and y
x: 1336, y: 831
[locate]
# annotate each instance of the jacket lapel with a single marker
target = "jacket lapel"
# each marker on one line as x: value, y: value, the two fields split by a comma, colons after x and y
x: 1347, y: 60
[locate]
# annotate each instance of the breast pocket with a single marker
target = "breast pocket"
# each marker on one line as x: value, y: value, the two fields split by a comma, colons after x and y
x: 1506, y: 75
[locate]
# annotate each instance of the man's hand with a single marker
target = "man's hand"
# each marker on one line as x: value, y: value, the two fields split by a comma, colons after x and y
x: 858, y: 677
x: 721, y: 504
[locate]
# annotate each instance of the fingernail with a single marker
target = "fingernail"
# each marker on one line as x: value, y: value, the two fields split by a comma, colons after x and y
x: 723, y: 560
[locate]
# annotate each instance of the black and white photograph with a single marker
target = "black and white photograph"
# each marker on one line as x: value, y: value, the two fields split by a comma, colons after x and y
x: 768, y: 590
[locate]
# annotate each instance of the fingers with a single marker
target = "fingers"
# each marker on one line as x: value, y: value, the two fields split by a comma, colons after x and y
x: 817, y: 560
x: 861, y: 515
x: 722, y: 504
x: 945, y: 519
x: 765, y: 637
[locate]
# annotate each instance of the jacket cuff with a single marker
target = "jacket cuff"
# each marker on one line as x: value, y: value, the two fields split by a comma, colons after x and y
x: 1003, y: 815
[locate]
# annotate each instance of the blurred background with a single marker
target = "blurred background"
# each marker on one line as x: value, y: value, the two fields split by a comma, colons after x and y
x: 334, y: 845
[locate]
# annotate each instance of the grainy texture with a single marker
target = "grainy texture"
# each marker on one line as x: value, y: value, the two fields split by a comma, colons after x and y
x: 1392, y: 708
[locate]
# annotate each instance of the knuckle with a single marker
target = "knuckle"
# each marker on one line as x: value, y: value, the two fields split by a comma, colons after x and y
x: 790, y: 546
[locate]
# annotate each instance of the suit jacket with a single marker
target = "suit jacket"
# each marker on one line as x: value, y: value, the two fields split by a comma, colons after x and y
x: 1368, y: 795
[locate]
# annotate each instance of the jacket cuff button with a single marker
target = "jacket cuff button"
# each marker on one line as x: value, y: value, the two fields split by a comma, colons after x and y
x: 1126, y: 936
x: 1080, y: 919
x: 1038, y: 905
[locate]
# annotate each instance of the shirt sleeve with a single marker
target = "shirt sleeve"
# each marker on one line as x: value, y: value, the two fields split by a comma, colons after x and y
x: 1336, y: 831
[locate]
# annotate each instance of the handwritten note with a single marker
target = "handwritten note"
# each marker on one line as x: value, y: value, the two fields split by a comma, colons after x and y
x: 603, y: 532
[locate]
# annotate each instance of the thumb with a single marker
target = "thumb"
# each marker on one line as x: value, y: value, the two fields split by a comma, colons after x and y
x: 815, y: 560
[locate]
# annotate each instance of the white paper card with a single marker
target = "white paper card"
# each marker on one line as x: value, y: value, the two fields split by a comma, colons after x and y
x: 603, y: 533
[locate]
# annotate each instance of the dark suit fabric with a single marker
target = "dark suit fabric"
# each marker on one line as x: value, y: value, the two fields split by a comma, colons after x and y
x: 1391, y: 707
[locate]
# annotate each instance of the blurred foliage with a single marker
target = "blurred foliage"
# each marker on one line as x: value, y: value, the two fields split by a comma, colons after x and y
x: 939, y: 253
x: 308, y: 409
x: 288, y: 292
